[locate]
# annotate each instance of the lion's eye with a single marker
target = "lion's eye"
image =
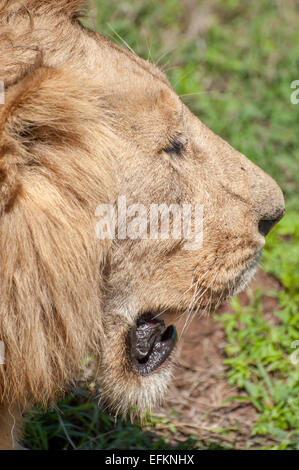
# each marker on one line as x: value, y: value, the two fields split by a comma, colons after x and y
x: 176, y: 145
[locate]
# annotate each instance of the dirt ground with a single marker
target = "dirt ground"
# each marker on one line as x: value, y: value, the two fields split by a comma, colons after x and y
x: 196, y: 403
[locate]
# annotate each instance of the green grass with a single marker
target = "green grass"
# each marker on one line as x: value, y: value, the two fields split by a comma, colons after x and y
x: 259, y: 353
x: 78, y: 423
x: 235, y: 74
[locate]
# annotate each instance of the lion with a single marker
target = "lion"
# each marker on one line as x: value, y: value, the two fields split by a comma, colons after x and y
x: 84, y: 123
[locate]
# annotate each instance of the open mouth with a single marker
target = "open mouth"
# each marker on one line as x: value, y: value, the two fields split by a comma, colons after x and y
x: 150, y: 343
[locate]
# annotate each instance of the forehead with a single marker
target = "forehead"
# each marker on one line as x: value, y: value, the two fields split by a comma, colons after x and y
x: 137, y: 64
x: 139, y: 91
x: 125, y: 71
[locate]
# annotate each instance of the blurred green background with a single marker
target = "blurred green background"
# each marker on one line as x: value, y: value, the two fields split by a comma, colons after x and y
x: 232, y: 62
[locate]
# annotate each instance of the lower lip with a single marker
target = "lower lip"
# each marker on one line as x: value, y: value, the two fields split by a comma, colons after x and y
x: 159, y: 353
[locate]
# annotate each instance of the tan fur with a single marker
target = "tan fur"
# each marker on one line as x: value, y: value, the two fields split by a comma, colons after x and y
x: 83, y: 122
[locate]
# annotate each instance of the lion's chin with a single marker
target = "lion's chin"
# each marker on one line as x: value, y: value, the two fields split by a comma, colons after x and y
x: 134, y: 396
x: 137, y: 365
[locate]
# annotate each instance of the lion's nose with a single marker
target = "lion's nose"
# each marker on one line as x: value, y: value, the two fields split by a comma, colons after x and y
x: 265, y: 225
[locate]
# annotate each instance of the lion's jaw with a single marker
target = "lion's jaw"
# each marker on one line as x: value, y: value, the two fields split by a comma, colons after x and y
x: 119, y: 131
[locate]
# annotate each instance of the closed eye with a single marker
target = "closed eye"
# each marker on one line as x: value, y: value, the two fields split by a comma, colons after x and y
x: 176, y: 145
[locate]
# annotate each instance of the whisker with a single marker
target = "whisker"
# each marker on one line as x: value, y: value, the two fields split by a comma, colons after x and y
x: 183, y: 78
x: 209, y: 287
x: 121, y: 39
x: 192, y: 314
x: 199, y: 93
x: 169, y: 51
x: 166, y: 69
x: 149, y: 55
x: 183, y: 294
x: 193, y: 283
x: 189, y: 310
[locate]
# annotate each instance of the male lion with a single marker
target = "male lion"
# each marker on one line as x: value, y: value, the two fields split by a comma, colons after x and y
x: 84, y: 122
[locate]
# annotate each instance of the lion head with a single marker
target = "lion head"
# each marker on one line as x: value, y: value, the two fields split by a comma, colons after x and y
x: 88, y: 128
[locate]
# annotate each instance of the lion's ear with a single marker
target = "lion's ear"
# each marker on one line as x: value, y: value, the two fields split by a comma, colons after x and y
x: 11, y: 154
x: 40, y: 113
x: 20, y: 49
x: 71, y: 8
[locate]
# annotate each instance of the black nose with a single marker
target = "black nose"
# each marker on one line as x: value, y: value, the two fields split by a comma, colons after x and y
x: 265, y: 225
